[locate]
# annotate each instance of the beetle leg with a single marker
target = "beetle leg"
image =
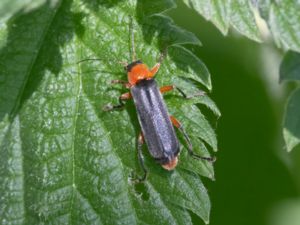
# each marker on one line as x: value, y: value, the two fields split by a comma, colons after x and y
x: 140, y: 142
x: 172, y: 87
x: 177, y: 124
x: 166, y: 88
x: 155, y: 68
x: 122, y: 98
x: 122, y: 82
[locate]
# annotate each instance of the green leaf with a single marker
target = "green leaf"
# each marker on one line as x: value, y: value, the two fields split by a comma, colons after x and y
x: 223, y: 14
x: 9, y: 7
x: 291, y: 126
x: 289, y: 71
x: 65, y: 161
x: 290, y: 67
x: 283, y: 20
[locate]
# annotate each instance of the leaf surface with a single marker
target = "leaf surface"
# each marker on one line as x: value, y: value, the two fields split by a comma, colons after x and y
x: 223, y: 14
x: 282, y: 18
x: 9, y: 7
x: 291, y: 126
x: 290, y: 67
x: 65, y: 161
x: 289, y: 71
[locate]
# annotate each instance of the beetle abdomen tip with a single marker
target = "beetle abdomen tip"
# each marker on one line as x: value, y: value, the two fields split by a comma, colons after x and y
x: 170, y: 165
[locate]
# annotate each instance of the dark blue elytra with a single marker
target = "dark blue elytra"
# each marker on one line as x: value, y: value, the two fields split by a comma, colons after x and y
x: 156, y: 125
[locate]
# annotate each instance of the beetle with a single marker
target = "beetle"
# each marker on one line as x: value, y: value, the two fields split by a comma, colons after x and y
x: 156, y: 125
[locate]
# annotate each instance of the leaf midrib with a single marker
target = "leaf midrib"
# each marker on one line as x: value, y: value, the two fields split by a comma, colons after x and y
x: 78, y: 95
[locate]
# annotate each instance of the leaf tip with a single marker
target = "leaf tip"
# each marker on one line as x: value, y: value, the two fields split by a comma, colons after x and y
x: 290, y: 141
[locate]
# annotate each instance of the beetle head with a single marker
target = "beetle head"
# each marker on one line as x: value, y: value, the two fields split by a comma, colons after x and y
x: 137, y: 71
x: 129, y: 67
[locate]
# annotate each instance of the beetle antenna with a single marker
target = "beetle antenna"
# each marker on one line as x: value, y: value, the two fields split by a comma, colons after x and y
x: 163, y: 55
x: 123, y: 63
x: 88, y: 59
x: 133, y: 54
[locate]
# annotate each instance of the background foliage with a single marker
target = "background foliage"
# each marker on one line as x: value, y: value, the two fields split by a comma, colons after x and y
x: 257, y: 181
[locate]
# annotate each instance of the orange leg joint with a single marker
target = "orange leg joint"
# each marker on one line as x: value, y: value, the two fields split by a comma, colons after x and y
x: 175, y: 122
x: 166, y: 88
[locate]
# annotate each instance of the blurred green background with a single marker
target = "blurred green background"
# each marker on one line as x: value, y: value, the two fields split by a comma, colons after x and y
x: 256, y: 180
